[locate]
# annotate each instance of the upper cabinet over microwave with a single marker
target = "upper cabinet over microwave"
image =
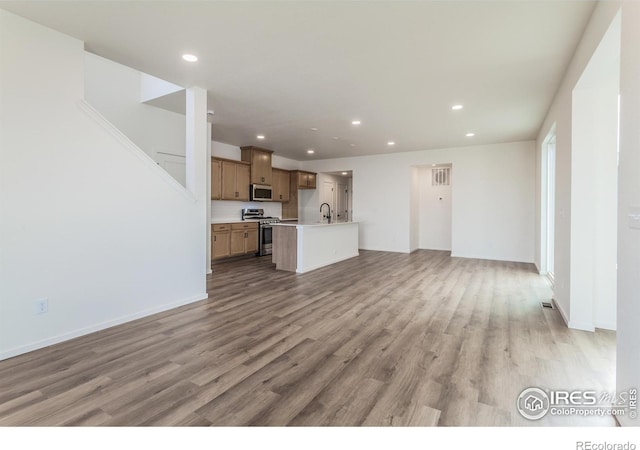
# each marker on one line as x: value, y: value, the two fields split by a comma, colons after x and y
x: 260, y: 159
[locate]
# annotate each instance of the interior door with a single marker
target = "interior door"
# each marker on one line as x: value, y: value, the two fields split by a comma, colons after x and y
x: 327, y: 197
x: 342, y: 203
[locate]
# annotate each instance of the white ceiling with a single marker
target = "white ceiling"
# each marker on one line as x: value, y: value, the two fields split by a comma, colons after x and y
x: 281, y: 68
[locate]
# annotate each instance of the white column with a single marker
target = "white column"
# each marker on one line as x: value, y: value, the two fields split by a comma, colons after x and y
x: 208, y: 262
x: 197, y: 162
x: 628, y: 332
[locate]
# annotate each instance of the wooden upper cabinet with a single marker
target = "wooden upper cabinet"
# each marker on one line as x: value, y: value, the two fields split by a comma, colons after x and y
x: 305, y: 180
x: 260, y: 160
x: 235, y: 180
x: 280, y: 185
x: 311, y: 181
x: 229, y: 181
x: 216, y: 180
x: 242, y: 182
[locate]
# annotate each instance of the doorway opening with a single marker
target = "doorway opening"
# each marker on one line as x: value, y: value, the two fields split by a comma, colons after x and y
x: 548, y: 203
x: 336, y: 188
x: 435, y: 206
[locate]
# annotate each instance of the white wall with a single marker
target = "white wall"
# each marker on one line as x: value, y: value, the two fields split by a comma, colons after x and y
x: 115, y: 91
x: 594, y: 209
x: 493, y: 212
x: 594, y: 179
x: 86, y: 220
x: 628, y: 259
x: 231, y: 210
x: 435, y: 212
x: 628, y: 332
x: 560, y: 113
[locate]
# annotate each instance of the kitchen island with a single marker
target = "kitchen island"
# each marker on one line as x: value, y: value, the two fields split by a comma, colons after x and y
x: 302, y: 247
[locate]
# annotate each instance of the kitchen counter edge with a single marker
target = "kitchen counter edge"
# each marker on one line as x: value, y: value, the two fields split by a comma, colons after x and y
x: 311, y: 224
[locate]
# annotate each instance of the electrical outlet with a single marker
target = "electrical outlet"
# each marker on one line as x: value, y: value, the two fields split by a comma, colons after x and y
x: 42, y: 305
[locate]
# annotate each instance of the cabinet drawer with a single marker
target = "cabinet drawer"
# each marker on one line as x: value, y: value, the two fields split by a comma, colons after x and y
x: 221, y: 227
x: 244, y: 226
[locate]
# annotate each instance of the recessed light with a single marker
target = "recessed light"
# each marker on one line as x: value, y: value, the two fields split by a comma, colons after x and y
x: 260, y: 136
x: 189, y: 57
x: 470, y: 134
x: 457, y: 107
x: 345, y: 173
x: 335, y: 138
x: 352, y: 145
x: 314, y: 129
x: 311, y: 151
x: 391, y: 143
x: 355, y: 122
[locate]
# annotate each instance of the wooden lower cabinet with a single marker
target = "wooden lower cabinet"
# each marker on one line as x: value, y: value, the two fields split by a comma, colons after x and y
x: 237, y: 242
x: 234, y: 239
x: 244, y: 238
x: 220, y: 240
x: 251, y: 242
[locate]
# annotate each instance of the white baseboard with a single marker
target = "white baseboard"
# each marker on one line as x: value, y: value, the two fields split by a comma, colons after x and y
x: 99, y: 326
x: 491, y: 258
x: 584, y: 326
x: 573, y: 324
x: 562, y: 312
x: 611, y: 326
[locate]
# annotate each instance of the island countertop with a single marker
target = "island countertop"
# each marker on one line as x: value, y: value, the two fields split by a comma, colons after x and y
x: 310, y: 224
x: 305, y: 246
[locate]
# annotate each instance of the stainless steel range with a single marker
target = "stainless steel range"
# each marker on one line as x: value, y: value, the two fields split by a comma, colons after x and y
x: 265, y: 230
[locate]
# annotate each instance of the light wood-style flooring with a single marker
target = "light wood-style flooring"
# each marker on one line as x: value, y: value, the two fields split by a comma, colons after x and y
x: 381, y: 339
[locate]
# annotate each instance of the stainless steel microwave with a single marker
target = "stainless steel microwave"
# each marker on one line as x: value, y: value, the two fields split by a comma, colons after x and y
x: 261, y: 193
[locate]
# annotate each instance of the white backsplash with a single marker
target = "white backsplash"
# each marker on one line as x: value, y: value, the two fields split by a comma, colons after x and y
x: 232, y: 211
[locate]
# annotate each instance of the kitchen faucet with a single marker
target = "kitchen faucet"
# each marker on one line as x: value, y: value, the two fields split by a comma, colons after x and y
x: 328, y: 216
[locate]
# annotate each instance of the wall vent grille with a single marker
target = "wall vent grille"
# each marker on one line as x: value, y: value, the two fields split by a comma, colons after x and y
x: 441, y: 176
x: 548, y: 305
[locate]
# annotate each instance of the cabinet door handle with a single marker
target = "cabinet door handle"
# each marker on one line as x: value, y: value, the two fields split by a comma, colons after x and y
x: 214, y: 238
